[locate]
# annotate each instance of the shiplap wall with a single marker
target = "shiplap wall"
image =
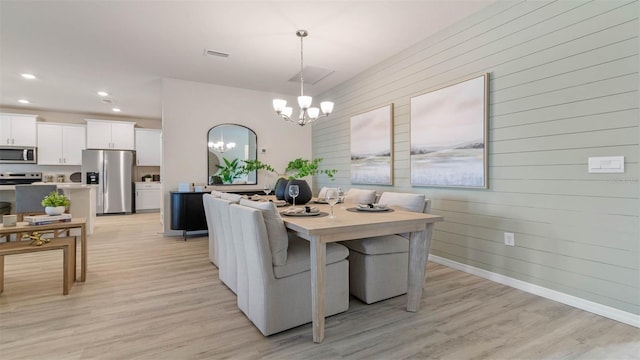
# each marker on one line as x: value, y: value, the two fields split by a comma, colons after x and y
x: 563, y: 87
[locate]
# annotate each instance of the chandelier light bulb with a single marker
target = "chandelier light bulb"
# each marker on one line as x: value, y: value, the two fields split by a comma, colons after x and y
x: 304, y: 102
x: 327, y: 107
x: 279, y: 105
x: 313, y: 112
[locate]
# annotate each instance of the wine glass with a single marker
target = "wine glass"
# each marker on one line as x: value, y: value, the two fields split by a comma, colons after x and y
x: 267, y: 189
x: 294, y: 191
x: 332, y: 196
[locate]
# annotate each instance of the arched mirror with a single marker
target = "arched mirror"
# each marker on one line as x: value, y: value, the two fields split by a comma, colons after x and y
x: 228, y: 146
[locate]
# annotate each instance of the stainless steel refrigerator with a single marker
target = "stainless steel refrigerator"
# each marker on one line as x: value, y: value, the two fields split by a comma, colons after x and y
x: 112, y: 171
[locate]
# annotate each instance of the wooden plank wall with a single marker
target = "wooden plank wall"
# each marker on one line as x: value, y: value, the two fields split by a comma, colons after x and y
x: 563, y: 87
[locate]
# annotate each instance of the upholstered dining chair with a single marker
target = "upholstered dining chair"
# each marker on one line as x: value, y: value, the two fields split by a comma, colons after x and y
x: 378, y: 266
x: 208, y: 214
x: 29, y: 199
x: 279, y: 296
x: 360, y: 196
x: 227, y: 266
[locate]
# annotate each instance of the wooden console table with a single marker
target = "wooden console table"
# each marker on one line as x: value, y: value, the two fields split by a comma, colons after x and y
x: 75, y: 223
x: 66, y: 244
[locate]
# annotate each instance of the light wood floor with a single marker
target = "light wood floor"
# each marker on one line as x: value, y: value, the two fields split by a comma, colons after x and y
x: 152, y: 297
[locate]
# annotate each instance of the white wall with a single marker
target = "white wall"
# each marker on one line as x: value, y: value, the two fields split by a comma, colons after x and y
x: 190, y: 109
x: 563, y: 87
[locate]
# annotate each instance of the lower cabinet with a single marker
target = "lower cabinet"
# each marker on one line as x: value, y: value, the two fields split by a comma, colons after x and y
x: 148, y: 196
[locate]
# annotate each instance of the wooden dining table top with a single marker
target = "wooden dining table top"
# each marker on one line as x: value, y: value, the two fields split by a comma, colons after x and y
x: 347, y: 224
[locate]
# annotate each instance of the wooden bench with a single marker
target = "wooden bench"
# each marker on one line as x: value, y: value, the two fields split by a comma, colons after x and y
x: 67, y: 245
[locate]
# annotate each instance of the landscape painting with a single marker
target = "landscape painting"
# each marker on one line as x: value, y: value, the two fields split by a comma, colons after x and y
x: 448, y: 136
x: 372, y: 147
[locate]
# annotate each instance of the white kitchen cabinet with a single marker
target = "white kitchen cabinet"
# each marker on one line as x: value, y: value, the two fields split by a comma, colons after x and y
x: 18, y: 129
x: 148, y: 196
x: 60, y: 144
x: 148, y: 147
x: 113, y: 135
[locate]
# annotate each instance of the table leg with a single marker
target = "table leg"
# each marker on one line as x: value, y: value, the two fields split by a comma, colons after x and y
x: 318, y: 271
x: 83, y: 253
x: 70, y: 266
x: 419, y: 245
x: 1, y: 273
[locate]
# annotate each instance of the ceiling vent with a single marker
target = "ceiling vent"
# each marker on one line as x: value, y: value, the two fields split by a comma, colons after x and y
x: 208, y: 52
x: 312, y: 74
x: 107, y: 101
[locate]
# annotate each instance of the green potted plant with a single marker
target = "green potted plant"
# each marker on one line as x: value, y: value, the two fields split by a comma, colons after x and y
x: 300, y: 168
x: 295, y: 171
x: 255, y: 165
x: 55, y: 203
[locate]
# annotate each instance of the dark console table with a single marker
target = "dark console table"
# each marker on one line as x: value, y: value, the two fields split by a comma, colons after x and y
x: 187, y: 210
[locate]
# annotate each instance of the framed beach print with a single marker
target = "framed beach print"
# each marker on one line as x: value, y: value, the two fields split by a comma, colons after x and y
x: 449, y: 135
x: 372, y: 147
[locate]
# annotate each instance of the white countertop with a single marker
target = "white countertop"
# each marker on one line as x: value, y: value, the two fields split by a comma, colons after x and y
x: 65, y: 185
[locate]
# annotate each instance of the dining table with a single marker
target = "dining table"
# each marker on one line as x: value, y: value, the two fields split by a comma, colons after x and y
x: 350, y: 223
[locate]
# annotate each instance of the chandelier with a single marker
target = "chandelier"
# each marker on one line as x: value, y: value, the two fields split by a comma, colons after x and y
x: 220, y: 146
x: 308, y: 114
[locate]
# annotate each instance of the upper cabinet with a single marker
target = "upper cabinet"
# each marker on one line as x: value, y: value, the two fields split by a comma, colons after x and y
x: 17, y: 130
x: 113, y: 135
x: 148, y: 147
x: 60, y: 144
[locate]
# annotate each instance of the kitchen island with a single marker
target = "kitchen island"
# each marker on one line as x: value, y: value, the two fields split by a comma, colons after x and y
x: 82, y: 197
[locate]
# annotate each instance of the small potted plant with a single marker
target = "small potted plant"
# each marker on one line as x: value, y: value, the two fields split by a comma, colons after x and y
x: 55, y: 203
x: 147, y: 178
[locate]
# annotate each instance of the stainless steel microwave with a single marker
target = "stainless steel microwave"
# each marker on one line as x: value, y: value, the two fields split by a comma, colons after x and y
x: 17, y: 155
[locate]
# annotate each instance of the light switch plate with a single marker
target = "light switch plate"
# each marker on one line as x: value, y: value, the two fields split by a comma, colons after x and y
x: 606, y: 164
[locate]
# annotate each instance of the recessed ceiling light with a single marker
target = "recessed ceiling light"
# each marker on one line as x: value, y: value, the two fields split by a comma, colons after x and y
x: 28, y: 76
x: 103, y: 93
x: 23, y: 101
x: 116, y: 109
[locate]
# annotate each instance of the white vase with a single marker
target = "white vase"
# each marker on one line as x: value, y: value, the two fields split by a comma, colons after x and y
x: 54, y: 210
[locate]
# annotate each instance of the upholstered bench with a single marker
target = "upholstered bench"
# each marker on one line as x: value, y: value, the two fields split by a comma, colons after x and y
x: 67, y: 245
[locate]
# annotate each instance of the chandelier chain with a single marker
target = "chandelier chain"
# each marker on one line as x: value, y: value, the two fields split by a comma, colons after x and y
x: 301, y: 65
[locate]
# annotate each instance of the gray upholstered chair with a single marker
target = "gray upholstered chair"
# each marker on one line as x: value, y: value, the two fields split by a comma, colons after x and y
x: 227, y: 266
x: 360, y: 196
x: 279, y: 296
x: 208, y: 213
x: 29, y: 199
x: 378, y: 266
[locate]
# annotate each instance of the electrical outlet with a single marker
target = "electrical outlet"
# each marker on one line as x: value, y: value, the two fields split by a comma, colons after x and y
x: 509, y: 239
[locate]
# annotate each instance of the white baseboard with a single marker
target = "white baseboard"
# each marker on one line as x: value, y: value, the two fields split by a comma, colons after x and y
x: 590, y: 306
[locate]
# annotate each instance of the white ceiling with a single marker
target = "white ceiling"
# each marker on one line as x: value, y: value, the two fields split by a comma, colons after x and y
x: 125, y: 48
